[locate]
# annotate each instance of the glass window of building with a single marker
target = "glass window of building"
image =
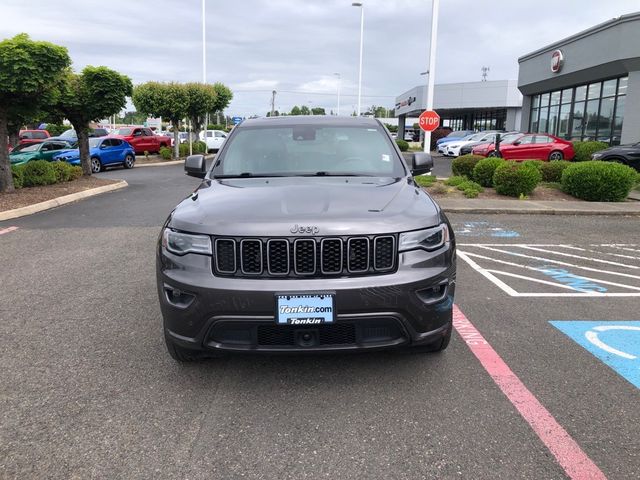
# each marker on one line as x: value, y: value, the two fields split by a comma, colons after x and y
x: 586, y: 112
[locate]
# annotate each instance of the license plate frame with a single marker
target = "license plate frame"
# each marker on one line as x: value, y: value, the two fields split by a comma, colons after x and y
x: 289, y: 308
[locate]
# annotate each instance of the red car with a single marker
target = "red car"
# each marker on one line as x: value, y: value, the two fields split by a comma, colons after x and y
x: 32, y: 136
x: 142, y: 139
x: 530, y: 146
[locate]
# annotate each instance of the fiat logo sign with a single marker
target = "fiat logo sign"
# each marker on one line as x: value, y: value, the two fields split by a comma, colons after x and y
x: 557, y: 60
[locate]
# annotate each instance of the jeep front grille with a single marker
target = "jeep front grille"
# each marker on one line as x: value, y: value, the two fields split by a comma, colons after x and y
x: 305, y: 257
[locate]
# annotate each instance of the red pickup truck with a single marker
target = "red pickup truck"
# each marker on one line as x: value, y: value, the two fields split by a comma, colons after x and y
x: 142, y: 139
x: 33, y: 136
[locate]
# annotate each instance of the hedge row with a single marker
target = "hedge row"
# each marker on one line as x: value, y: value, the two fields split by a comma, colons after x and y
x: 41, y: 172
x: 587, y: 180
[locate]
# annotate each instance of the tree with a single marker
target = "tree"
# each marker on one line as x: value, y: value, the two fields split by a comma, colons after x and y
x: 166, y: 100
x: 223, y: 97
x: 201, y: 99
x: 90, y: 96
x: 318, y: 111
x: 30, y: 73
x: 295, y: 110
x: 304, y: 110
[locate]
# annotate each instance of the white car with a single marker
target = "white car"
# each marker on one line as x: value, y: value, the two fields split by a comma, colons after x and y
x: 215, y: 139
x: 452, y: 149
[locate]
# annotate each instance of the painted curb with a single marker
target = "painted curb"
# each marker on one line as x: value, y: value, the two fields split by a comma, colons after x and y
x: 539, y: 211
x: 160, y: 164
x: 63, y: 200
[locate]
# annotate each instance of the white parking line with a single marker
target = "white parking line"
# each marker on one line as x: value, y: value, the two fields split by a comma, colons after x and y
x: 578, y: 285
x: 599, y: 252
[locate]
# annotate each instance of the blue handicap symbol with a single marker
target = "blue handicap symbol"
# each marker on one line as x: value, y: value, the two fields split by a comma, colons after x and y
x: 616, y: 343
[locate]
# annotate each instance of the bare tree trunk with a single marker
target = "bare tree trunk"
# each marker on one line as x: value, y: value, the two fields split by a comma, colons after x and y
x: 176, y: 139
x: 196, y: 125
x: 6, y: 177
x: 83, y: 146
x: 14, y: 138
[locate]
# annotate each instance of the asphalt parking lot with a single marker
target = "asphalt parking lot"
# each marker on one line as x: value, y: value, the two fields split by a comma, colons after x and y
x: 532, y: 386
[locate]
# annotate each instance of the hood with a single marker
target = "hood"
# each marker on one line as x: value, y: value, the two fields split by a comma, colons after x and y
x: 22, y: 157
x: 69, y: 152
x: 336, y: 205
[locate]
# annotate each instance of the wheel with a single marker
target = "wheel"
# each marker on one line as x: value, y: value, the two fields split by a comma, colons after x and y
x: 492, y: 153
x: 556, y: 155
x: 438, y: 346
x: 129, y: 161
x: 181, y: 354
x: 96, y: 165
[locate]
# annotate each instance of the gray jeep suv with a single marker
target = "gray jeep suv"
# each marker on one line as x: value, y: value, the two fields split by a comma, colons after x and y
x: 307, y: 234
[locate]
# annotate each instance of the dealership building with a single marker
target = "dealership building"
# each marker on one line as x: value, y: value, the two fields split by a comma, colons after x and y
x: 584, y: 87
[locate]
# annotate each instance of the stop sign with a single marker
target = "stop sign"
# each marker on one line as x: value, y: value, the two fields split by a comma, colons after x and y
x: 429, y: 120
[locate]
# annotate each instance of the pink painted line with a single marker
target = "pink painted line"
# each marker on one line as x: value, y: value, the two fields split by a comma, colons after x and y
x: 7, y: 230
x: 568, y: 453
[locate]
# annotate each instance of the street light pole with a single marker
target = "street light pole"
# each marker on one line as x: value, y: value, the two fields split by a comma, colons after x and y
x: 204, y: 70
x: 339, y: 85
x: 432, y: 67
x: 360, y: 4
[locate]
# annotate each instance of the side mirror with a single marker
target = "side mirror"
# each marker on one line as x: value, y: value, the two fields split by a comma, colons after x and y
x: 421, y: 163
x: 195, y: 166
x: 517, y: 142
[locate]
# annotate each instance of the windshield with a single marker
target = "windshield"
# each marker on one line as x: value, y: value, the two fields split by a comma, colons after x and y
x: 309, y: 150
x: 69, y: 134
x: 94, y: 142
x: 34, y: 147
x: 458, y: 133
x: 124, y: 131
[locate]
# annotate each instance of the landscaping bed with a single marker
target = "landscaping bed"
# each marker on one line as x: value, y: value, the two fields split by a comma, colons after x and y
x: 32, y: 195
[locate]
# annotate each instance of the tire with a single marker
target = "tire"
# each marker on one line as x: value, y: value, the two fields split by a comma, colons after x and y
x: 180, y: 354
x: 556, y: 155
x: 492, y: 154
x: 437, y: 346
x: 96, y: 165
x: 129, y: 161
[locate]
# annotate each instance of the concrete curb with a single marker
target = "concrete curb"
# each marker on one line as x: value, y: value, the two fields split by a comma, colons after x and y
x: 63, y: 200
x: 160, y: 164
x: 539, y: 211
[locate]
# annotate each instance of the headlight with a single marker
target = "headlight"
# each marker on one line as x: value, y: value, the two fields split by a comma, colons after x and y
x: 454, y: 146
x: 429, y: 239
x: 182, y: 243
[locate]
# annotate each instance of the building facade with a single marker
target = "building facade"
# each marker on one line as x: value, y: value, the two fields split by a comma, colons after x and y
x: 486, y: 105
x: 587, y: 86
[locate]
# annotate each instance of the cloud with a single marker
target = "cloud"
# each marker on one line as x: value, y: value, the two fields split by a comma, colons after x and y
x: 294, y: 46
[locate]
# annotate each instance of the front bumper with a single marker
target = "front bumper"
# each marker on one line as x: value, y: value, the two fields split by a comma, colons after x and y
x: 411, y: 306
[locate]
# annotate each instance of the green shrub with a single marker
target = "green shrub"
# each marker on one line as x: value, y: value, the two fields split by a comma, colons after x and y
x: 425, y: 180
x: 552, y: 171
x: 455, y: 180
x: 484, y: 170
x: 199, y: 147
x: 471, y: 193
x: 18, y: 176
x: 464, y: 165
x: 583, y: 150
x: 196, y: 147
x: 63, y: 171
x: 39, y: 172
x: 76, y: 172
x: 515, y: 180
x: 166, y: 153
x: 598, y: 181
x: 402, y: 145
x: 537, y: 164
x: 470, y: 185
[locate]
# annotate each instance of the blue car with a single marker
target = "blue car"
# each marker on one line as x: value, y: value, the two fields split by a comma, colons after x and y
x: 104, y: 151
x: 452, y: 137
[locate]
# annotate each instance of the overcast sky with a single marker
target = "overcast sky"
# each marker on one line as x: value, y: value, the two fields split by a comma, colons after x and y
x: 256, y: 46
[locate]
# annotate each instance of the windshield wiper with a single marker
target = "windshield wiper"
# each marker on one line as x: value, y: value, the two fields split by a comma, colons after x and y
x: 334, y: 174
x: 248, y: 175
